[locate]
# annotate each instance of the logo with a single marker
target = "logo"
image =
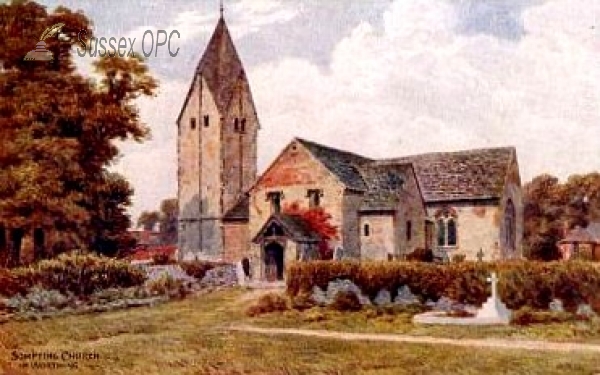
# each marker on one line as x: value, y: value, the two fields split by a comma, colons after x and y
x: 40, y: 53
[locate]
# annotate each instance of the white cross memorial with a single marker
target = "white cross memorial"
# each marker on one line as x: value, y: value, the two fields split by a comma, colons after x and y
x: 493, y: 310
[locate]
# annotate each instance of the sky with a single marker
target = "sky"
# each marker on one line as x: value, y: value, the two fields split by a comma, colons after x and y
x: 382, y: 78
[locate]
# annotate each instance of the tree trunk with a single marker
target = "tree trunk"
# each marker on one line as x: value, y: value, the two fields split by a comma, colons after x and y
x: 3, y: 246
x: 39, y: 243
x: 16, y: 240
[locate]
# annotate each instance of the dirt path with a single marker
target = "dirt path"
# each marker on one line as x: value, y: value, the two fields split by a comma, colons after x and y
x: 480, y: 343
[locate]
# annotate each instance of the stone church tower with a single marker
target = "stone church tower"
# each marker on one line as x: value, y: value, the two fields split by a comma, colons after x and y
x: 216, y: 147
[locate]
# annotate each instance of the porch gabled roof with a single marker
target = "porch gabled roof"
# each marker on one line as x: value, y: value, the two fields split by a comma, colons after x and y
x: 294, y: 227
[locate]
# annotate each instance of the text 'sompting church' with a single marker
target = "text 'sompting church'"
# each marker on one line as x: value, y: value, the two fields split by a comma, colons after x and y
x: 465, y: 202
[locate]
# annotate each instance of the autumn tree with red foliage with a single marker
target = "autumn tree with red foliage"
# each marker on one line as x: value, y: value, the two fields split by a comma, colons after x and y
x: 319, y: 221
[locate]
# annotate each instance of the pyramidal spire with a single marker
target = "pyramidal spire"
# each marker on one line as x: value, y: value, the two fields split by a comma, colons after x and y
x: 220, y: 65
x: 221, y: 8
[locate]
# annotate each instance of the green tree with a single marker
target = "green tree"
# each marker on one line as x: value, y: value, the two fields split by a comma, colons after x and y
x: 148, y: 220
x: 57, y: 131
x: 168, y: 221
x: 552, y: 208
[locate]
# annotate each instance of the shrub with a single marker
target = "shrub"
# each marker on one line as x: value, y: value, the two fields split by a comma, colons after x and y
x: 268, y: 303
x: 458, y: 258
x: 80, y: 274
x: 10, y: 284
x: 522, y: 283
x: 346, y: 301
x: 162, y: 259
x: 527, y: 316
x: 198, y: 268
x: 420, y: 255
x: 303, y: 302
x: 168, y: 286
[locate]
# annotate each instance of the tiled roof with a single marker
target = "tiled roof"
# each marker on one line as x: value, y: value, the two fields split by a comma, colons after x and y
x: 294, y: 227
x: 384, y: 182
x: 590, y: 234
x: 343, y: 164
x: 241, y: 210
x: 220, y: 66
x: 462, y: 175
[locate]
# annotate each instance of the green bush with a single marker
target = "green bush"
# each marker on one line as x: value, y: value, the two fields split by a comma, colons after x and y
x: 527, y: 316
x: 522, y: 283
x: 162, y: 259
x: 346, y: 301
x: 303, y: 302
x: 268, y: 303
x: 79, y: 274
x: 198, y: 268
x: 10, y: 284
x: 458, y: 258
x: 168, y: 286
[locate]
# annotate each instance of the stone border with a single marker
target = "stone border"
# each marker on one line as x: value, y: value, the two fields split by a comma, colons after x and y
x: 437, y: 317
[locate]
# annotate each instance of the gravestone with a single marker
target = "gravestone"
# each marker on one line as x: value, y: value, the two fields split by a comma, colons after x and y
x: 556, y: 306
x: 405, y: 296
x: 585, y: 310
x: 383, y: 298
x: 494, y: 308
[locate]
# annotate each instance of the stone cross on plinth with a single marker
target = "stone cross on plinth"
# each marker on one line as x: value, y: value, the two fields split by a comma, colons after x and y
x: 493, y: 310
x: 493, y: 279
x: 480, y: 255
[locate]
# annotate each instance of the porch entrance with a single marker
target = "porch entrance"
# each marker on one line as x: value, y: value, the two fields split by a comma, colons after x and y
x: 274, y: 261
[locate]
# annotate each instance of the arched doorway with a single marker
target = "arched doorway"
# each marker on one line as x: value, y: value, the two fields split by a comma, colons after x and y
x: 510, y: 230
x: 274, y: 261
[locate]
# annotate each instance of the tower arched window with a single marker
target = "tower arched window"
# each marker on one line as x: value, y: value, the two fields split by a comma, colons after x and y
x: 236, y: 125
x: 367, y: 230
x: 243, y: 125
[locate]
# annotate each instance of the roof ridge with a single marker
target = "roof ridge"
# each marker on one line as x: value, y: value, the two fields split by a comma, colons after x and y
x: 329, y: 148
x: 437, y: 153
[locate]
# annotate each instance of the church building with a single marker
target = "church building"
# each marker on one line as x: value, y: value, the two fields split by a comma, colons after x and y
x: 466, y: 203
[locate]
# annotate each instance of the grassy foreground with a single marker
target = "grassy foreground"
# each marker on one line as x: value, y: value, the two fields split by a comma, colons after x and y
x: 185, y: 337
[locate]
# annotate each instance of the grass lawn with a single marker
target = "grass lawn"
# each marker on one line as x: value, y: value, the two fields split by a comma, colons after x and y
x: 183, y: 338
x: 370, y: 321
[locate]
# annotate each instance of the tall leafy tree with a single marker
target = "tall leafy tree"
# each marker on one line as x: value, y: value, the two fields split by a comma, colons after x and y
x: 552, y: 208
x: 57, y: 131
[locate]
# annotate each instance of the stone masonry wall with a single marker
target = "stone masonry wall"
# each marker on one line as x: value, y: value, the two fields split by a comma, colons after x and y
x: 411, y: 209
x: 514, y: 192
x: 235, y: 238
x: 478, y: 226
x: 381, y: 240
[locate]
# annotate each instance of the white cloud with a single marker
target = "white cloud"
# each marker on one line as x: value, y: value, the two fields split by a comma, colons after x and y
x: 419, y: 86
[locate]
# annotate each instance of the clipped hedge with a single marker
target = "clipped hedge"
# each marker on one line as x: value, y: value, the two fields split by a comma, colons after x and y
x: 522, y: 283
x: 78, y: 273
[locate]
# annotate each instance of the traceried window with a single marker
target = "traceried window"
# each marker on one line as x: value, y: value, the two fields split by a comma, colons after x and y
x: 314, y: 197
x: 274, y: 198
x: 446, y: 232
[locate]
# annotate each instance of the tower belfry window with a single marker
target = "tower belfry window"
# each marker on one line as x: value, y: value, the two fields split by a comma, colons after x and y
x: 193, y: 123
x: 236, y: 125
x: 243, y: 125
x: 206, y: 121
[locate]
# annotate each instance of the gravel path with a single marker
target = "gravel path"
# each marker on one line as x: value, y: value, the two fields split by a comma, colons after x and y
x: 480, y: 343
